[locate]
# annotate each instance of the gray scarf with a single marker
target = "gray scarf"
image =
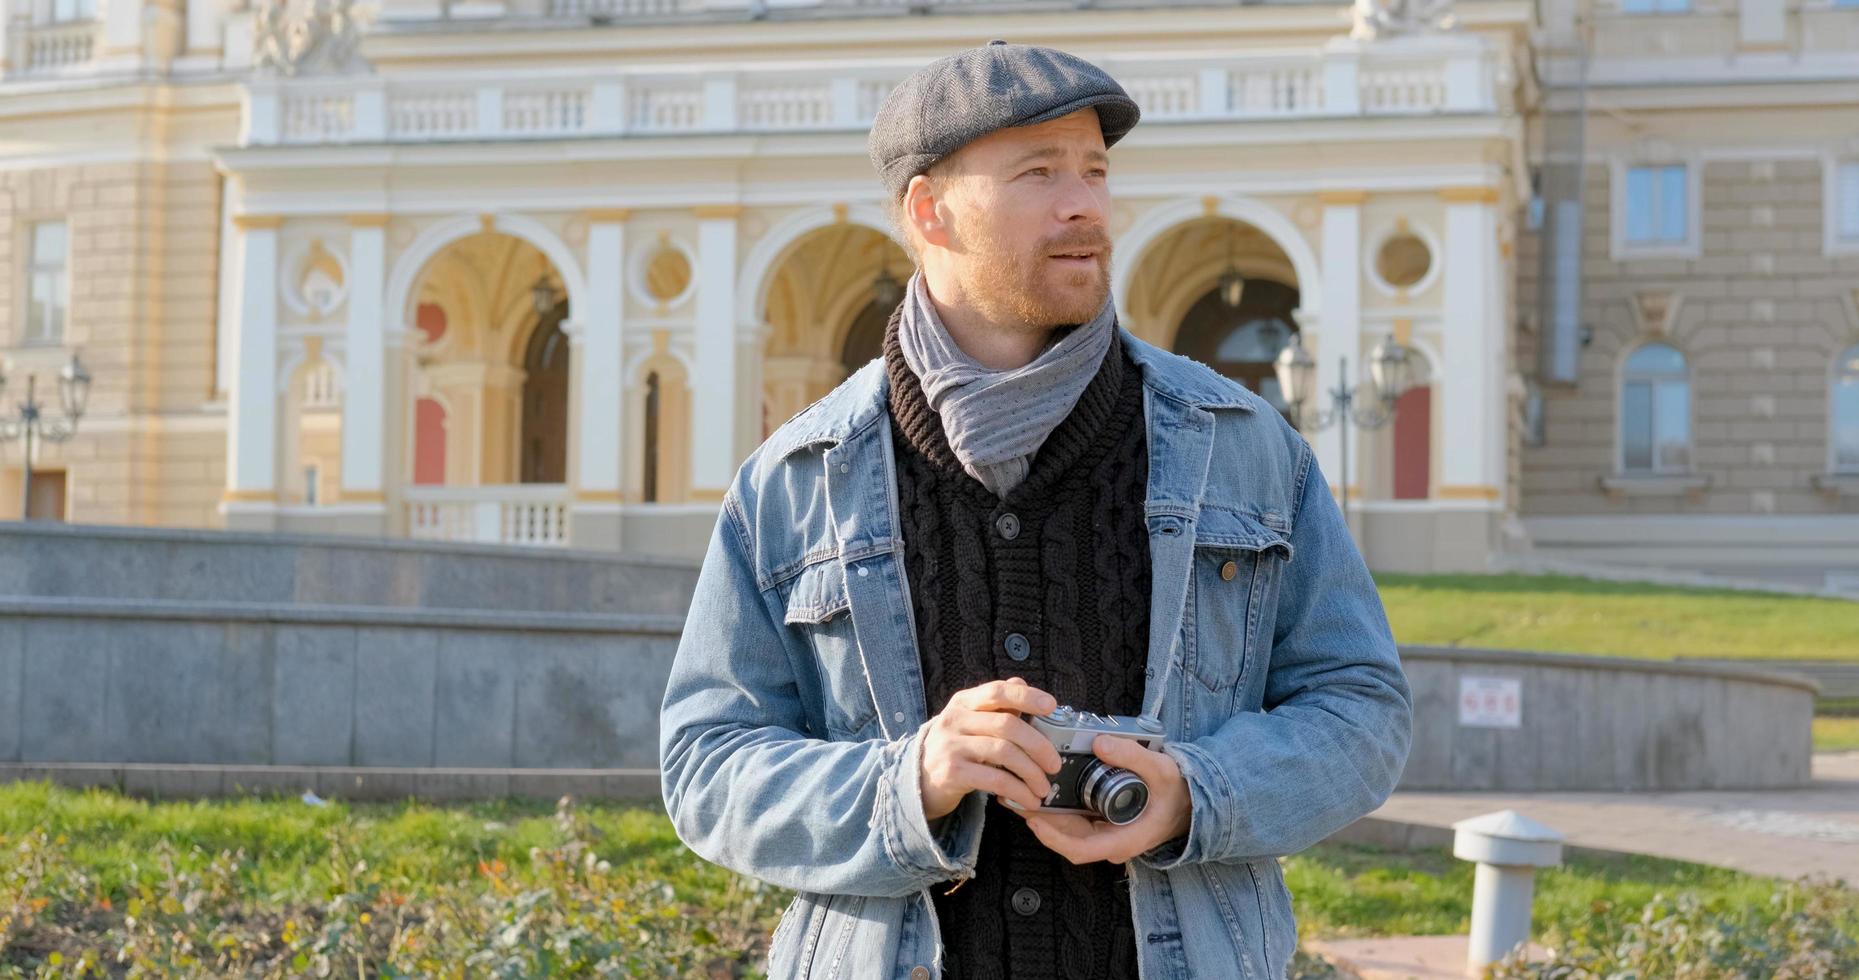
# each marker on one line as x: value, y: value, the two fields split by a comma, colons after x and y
x: 996, y: 420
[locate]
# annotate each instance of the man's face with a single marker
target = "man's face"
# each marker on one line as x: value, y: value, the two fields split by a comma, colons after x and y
x: 1023, y: 214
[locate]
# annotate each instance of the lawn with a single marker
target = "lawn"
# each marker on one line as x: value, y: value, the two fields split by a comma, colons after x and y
x: 1566, y: 614
x: 277, y: 887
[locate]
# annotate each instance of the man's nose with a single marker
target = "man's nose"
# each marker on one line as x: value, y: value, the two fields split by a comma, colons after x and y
x: 1079, y: 201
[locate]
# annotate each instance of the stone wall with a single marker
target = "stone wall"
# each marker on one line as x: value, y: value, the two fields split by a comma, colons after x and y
x: 1761, y: 313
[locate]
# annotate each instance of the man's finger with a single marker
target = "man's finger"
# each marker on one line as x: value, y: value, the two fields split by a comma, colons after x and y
x: 1131, y: 755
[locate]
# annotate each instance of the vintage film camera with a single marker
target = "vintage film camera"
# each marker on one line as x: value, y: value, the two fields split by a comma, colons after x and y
x: 1084, y: 783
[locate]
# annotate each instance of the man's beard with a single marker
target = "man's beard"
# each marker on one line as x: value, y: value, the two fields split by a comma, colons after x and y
x: 1020, y: 289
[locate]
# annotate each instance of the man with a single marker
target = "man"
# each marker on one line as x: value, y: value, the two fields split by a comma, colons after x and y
x: 1021, y: 505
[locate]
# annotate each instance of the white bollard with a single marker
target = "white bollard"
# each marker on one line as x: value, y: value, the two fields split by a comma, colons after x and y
x: 1508, y: 848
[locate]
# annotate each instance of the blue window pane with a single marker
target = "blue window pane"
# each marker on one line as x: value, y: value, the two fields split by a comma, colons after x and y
x: 1673, y: 6
x: 1672, y: 204
x: 1848, y: 192
x: 1845, y: 420
x: 1639, y: 204
x: 1672, y: 425
x: 1636, y: 426
x: 1656, y: 359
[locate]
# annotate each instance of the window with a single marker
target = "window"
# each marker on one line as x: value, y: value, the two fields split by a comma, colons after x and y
x: 45, y: 289
x: 1657, y: 205
x: 1655, y: 411
x: 310, y: 474
x: 1844, y: 408
x: 70, y: 10
x: 1654, y: 6
x: 1846, y: 199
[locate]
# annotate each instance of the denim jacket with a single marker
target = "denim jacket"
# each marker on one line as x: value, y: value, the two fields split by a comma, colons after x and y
x: 791, y: 732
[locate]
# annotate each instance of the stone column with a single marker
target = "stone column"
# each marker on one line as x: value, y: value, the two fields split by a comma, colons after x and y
x: 1341, y: 329
x: 714, y: 390
x: 1473, y: 407
x: 364, y: 388
x: 599, y: 404
x: 251, y: 497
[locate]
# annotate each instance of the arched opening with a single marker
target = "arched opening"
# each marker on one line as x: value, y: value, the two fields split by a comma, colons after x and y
x: 545, y: 400
x: 658, y: 421
x: 828, y: 298
x: 1243, y: 341
x: 489, y: 347
x: 1222, y: 292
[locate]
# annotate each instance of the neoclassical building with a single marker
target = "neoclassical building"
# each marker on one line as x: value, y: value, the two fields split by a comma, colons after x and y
x: 546, y: 271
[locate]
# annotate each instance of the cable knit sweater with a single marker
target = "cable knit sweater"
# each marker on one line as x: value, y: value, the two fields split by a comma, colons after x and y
x: 1056, y: 573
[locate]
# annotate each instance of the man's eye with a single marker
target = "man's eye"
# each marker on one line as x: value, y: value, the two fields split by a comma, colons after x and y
x: 1036, y: 170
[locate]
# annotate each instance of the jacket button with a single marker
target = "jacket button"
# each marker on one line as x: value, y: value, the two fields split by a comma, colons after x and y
x: 1008, y: 525
x: 1017, y: 647
x: 1026, y: 901
x: 919, y: 973
x: 1228, y: 570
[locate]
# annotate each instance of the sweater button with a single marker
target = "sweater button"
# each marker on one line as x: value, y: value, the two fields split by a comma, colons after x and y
x: 1017, y: 647
x: 1026, y: 901
x: 1008, y: 525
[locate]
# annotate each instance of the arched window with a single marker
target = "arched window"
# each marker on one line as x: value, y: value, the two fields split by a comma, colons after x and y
x: 650, y: 489
x: 1655, y: 411
x: 1844, y: 420
x: 1241, y: 342
x: 865, y: 338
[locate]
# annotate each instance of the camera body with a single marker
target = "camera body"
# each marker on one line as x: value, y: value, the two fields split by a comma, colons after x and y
x: 1084, y: 783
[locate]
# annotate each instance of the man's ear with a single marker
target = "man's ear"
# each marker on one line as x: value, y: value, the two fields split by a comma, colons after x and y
x: 924, y: 209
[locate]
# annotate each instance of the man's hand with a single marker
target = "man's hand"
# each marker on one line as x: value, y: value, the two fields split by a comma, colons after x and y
x: 1083, y: 839
x: 979, y: 741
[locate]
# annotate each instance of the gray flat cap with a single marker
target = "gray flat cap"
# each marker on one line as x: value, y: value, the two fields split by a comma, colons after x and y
x: 954, y: 100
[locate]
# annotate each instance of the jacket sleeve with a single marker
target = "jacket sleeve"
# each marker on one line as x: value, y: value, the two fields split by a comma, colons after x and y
x: 748, y: 789
x: 1334, y: 737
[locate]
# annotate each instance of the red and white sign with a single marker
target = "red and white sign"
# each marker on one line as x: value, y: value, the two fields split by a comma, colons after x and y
x: 1491, y: 702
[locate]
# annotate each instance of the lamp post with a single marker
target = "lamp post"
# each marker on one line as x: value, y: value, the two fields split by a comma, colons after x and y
x: 1390, y: 372
x: 32, y: 424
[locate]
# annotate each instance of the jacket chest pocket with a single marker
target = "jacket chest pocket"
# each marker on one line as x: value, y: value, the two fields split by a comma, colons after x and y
x: 1238, y: 562
x: 819, y: 611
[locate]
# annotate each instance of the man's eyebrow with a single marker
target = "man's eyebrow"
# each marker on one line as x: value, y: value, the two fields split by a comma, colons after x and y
x: 1042, y: 152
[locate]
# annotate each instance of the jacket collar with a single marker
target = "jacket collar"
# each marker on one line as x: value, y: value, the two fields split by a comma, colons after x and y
x: 861, y: 398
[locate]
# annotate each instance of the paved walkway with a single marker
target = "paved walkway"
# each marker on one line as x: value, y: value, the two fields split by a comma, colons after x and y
x: 1401, y: 957
x: 1786, y: 833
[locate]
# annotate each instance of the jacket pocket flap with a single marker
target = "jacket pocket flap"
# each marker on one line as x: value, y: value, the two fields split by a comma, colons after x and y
x: 818, y: 594
x: 1231, y: 529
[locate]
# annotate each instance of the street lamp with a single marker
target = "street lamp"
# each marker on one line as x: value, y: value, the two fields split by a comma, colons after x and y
x: 33, y: 425
x: 1390, y: 372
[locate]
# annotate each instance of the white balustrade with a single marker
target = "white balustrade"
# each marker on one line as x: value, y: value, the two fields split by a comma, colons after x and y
x: 665, y: 107
x: 424, y: 114
x: 1276, y: 88
x: 801, y: 105
x: 1165, y: 96
x: 1403, y: 88
x: 318, y: 117
x: 524, y: 513
x: 543, y: 112
x: 1341, y: 79
x: 54, y: 47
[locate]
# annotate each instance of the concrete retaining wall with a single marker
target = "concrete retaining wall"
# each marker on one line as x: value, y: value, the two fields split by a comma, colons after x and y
x: 1603, y: 723
x: 200, y: 662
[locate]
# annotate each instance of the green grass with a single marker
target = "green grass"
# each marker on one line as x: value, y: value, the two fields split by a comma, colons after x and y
x: 1835, y: 734
x: 1339, y: 890
x: 1567, y: 614
x: 1348, y: 891
x: 416, y: 845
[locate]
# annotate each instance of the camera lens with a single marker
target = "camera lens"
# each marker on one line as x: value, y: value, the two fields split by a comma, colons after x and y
x: 1118, y: 794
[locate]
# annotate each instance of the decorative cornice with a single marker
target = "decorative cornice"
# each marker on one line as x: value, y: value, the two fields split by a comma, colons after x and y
x: 1337, y: 197
x: 1469, y: 195
x: 717, y: 211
